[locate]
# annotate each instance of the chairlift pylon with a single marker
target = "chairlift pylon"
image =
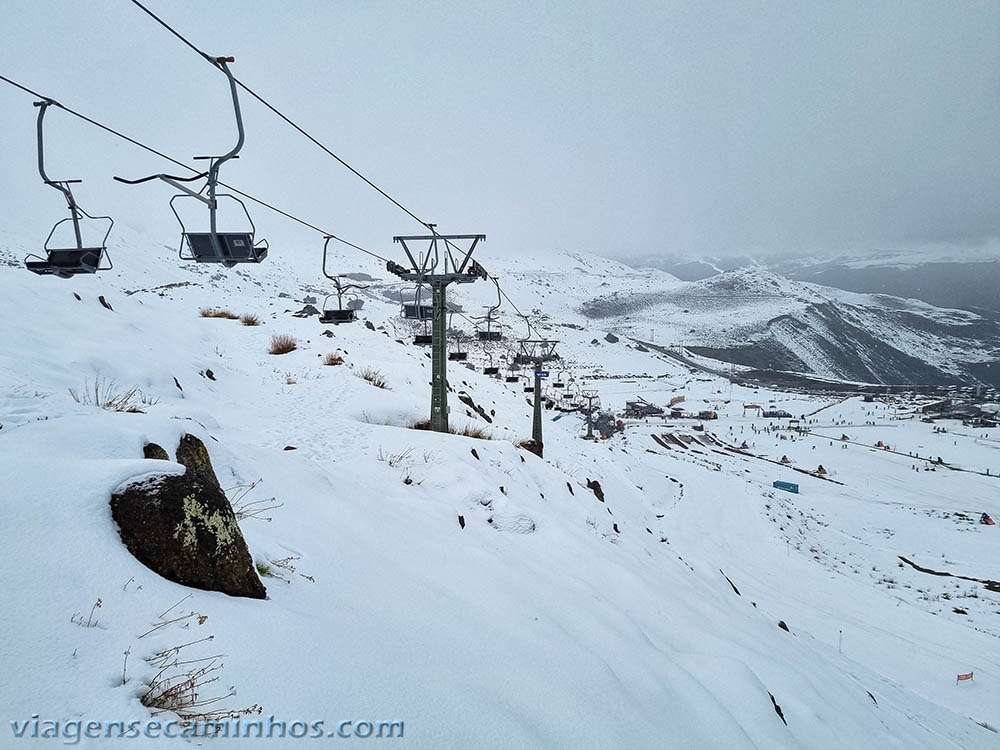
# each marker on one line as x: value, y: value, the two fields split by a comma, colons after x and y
x: 329, y: 316
x: 67, y: 262
x: 213, y: 246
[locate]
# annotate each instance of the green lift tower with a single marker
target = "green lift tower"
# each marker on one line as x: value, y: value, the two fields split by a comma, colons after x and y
x: 438, y: 267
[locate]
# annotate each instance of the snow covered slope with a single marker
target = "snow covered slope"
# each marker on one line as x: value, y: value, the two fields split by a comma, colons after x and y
x: 645, y: 617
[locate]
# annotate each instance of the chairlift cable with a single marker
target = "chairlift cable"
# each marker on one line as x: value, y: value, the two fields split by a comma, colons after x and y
x: 178, y: 163
x: 307, y: 135
x: 284, y: 117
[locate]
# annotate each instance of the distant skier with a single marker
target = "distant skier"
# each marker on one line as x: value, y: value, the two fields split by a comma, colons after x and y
x: 986, y: 520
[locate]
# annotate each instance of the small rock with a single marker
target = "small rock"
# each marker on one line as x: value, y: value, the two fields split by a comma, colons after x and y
x: 289, y: 448
x: 152, y: 450
x: 461, y: 521
x: 611, y: 338
x: 593, y: 484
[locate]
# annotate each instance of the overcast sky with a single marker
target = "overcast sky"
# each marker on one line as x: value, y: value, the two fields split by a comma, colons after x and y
x: 607, y: 127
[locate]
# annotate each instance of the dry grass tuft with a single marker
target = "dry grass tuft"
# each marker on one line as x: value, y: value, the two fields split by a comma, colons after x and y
x: 375, y: 377
x: 475, y: 431
x: 215, y: 312
x: 470, y: 431
x: 249, y: 319
x: 333, y: 359
x: 282, y: 343
x: 106, y: 394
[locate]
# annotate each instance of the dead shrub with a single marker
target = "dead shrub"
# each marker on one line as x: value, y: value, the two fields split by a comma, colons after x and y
x: 215, y: 312
x: 333, y: 360
x: 375, y: 377
x: 249, y: 319
x: 282, y: 343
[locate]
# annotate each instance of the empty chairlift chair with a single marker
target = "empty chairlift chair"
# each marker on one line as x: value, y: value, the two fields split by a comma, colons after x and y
x: 416, y: 310
x: 458, y: 354
x: 329, y: 316
x: 213, y: 246
x: 490, y: 333
x: 492, y: 370
x: 66, y: 262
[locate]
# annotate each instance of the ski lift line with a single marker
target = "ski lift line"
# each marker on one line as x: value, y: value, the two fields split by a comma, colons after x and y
x: 198, y: 175
x: 284, y: 117
x: 431, y: 226
x: 215, y: 63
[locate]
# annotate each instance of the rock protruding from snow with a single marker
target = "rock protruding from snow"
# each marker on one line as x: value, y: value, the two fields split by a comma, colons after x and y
x: 152, y: 450
x: 184, y: 528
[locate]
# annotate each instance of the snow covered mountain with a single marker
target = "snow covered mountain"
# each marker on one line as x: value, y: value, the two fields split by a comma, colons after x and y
x: 758, y: 319
x: 649, y: 590
x: 962, y: 278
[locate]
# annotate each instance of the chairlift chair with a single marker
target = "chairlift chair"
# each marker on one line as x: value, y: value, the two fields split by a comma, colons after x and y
x: 458, y: 355
x: 416, y: 310
x: 490, y: 334
x: 70, y: 261
x: 423, y: 339
x: 558, y: 383
x: 492, y: 370
x: 213, y: 246
x: 329, y: 316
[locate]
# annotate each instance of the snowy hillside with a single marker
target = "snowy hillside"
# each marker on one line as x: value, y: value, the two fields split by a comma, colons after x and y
x: 475, y: 593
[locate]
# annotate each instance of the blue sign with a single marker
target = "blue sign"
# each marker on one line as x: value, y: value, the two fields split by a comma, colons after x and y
x: 787, y: 487
x: 542, y: 374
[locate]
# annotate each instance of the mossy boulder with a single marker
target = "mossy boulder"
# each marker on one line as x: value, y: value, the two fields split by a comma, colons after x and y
x: 184, y: 528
